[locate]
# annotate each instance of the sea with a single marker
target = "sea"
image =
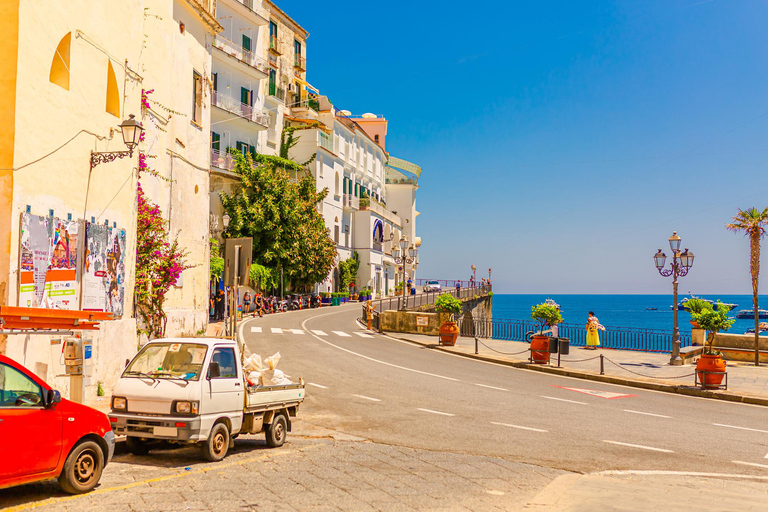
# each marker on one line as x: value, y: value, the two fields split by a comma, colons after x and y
x: 620, y: 310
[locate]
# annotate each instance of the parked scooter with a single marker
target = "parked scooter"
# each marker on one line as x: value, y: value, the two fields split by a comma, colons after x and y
x: 315, y: 301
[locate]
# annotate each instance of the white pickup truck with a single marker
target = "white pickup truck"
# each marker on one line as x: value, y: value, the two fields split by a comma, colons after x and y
x: 193, y: 390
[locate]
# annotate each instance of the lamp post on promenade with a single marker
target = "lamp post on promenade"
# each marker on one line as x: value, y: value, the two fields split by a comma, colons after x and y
x: 408, y: 256
x: 681, y: 263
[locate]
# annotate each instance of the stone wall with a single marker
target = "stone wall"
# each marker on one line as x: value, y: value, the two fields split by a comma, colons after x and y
x: 741, y: 347
x: 406, y: 321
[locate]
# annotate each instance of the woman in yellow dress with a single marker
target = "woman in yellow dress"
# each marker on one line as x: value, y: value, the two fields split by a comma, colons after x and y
x: 593, y: 325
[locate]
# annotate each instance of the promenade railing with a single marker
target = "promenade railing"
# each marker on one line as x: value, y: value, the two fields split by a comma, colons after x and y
x: 624, y: 338
x: 426, y: 299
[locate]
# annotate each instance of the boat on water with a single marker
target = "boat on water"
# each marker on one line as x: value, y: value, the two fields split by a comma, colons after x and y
x: 750, y: 313
x: 763, y: 328
x: 651, y: 309
x: 681, y: 304
x: 551, y: 302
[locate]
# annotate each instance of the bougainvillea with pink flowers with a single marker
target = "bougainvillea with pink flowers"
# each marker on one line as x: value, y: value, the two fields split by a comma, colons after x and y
x: 159, y: 264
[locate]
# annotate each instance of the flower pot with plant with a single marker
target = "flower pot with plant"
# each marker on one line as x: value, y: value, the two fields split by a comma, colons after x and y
x: 449, y: 306
x: 696, y: 306
x: 710, y: 367
x: 547, y: 315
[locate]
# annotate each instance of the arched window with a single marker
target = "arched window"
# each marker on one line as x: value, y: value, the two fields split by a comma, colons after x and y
x: 113, y: 94
x: 60, y: 65
x: 337, y: 184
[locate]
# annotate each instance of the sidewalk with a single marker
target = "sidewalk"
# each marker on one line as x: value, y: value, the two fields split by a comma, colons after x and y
x: 650, y: 370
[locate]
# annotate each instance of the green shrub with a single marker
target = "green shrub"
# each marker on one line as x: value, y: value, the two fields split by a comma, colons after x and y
x: 447, y: 303
x: 546, y: 315
x: 713, y: 321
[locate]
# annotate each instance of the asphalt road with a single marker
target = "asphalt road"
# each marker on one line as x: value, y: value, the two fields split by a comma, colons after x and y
x: 393, y: 392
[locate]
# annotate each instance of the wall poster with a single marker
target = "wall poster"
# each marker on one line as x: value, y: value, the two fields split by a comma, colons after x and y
x: 104, y: 269
x: 48, y: 266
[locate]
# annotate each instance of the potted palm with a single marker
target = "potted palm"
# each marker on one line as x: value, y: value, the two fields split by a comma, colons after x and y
x: 710, y: 367
x: 546, y: 315
x: 696, y: 306
x: 449, y: 306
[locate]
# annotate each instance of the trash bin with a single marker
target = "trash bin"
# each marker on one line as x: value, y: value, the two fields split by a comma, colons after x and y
x: 335, y: 301
x: 553, y: 345
x: 565, y: 346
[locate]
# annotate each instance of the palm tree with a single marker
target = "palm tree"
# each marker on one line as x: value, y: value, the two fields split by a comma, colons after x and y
x: 752, y: 222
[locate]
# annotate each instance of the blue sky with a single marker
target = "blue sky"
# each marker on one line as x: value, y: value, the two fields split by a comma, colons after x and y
x: 562, y: 142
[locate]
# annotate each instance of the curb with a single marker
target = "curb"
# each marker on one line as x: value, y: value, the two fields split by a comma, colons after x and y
x: 654, y: 386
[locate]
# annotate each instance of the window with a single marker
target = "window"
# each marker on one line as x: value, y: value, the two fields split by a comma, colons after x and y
x: 272, y: 35
x: 357, y: 190
x: 227, y: 362
x: 376, y: 138
x: 113, y: 94
x: 18, y: 390
x: 246, y: 96
x: 336, y: 189
x: 215, y: 141
x: 246, y: 43
x: 243, y: 147
x: 60, y: 66
x: 297, y: 49
x: 197, y: 104
x: 215, y: 80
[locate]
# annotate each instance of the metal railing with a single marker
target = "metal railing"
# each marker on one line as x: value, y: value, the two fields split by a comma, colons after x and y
x: 308, y: 104
x: 325, y: 141
x: 426, y: 299
x: 256, y: 8
x: 240, y: 53
x: 448, y: 283
x: 350, y: 201
x: 277, y: 91
x: 300, y: 62
x: 222, y: 160
x: 274, y: 44
x: 624, y: 338
x: 239, y: 109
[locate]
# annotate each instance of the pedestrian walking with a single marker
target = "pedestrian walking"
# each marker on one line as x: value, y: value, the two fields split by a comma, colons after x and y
x: 219, y: 305
x: 458, y: 288
x: 246, y: 302
x: 593, y: 325
x: 369, y: 309
x: 410, y: 285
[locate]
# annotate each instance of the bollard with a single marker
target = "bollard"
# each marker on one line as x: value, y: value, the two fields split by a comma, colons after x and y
x: 602, y: 365
x: 476, y: 347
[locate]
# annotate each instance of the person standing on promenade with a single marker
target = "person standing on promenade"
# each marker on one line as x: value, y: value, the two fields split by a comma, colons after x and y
x: 246, y: 302
x: 593, y: 325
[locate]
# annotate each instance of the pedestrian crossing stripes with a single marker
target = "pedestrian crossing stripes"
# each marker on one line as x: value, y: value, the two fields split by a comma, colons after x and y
x: 255, y: 329
x: 277, y: 330
x: 296, y: 331
x: 363, y: 335
x: 342, y: 334
x: 319, y: 333
x: 301, y: 332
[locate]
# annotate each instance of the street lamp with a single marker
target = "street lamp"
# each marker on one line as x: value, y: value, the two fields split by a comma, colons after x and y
x: 681, y: 263
x: 131, y: 130
x: 225, y: 220
x: 408, y: 256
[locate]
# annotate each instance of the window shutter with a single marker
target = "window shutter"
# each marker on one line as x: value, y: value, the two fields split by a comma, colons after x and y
x: 215, y: 141
x: 246, y: 43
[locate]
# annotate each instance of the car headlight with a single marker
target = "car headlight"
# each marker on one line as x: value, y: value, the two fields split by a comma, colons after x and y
x: 119, y: 403
x: 186, y: 407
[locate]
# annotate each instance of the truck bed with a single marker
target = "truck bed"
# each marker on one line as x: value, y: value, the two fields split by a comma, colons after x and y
x: 264, y: 398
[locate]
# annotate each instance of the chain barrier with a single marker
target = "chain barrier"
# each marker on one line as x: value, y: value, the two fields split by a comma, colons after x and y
x: 504, y: 353
x: 579, y: 360
x: 650, y: 376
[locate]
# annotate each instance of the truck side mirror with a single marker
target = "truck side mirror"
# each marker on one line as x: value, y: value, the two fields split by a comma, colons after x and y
x: 53, y: 398
x: 214, y: 372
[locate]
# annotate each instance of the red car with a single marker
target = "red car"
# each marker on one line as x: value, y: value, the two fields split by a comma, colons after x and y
x: 44, y: 436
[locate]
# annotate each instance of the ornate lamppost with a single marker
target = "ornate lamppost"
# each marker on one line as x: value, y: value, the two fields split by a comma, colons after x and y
x: 131, y: 130
x: 681, y: 263
x: 408, y: 256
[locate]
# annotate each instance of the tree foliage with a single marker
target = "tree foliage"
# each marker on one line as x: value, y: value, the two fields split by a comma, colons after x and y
x: 348, y: 270
x: 217, y: 262
x: 280, y: 214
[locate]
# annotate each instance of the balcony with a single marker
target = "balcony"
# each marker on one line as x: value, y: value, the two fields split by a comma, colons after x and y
x: 239, y: 109
x: 351, y: 202
x: 247, y: 57
x: 307, y: 108
x: 262, y: 16
x: 300, y: 63
x: 325, y: 141
x: 274, y: 45
x: 222, y: 160
x: 277, y: 92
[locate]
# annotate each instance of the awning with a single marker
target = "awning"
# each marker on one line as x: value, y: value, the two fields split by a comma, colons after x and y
x: 306, y: 84
x: 42, y: 321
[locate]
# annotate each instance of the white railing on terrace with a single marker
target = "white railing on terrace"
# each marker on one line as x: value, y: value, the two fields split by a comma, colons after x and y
x: 256, y: 7
x: 350, y: 201
x: 237, y: 51
x: 404, y: 165
x: 239, y: 109
x: 325, y: 141
x: 222, y: 160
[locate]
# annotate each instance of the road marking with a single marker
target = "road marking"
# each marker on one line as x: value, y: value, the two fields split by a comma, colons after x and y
x: 647, y: 413
x: 741, y: 428
x: 490, y: 387
x: 594, y: 392
x: 296, y: 331
x: 764, y: 466
x: 255, y: 329
x: 277, y: 330
x: 518, y: 426
x: 367, y: 398
x: 437, y: 412
x: 363, y: 335
x: 342, y: 334
x: 656, y: 472
x: 563, y: 400
x: 317, y: 385
x: 640, y: 446
x: 319, y: 333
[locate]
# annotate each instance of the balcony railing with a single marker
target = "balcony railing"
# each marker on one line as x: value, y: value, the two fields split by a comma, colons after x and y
x: 350, y: 201
x: 222, y: 160
x: 256, y: 8
x: 277, y: 91
x: 300, y: 62
x: 274, y: 45
x: 310, y: 104
x: 245, y: 56
x: 239, y: 109
x: 325, y: 141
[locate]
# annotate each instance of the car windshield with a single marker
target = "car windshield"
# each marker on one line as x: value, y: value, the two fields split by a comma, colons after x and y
x: 432, y: 282
x: 168, y: 361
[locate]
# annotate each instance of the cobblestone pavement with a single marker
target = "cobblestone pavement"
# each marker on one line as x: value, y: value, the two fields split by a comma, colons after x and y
x: 311, y: 472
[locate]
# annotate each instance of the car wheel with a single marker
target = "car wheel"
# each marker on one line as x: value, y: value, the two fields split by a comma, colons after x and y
x: 136, y: 446
x: 216, y: 446
x: 277, y: 431
x: 82, y: 469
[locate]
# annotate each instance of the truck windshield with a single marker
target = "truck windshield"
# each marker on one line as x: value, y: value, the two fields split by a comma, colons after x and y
x: 168, y: 361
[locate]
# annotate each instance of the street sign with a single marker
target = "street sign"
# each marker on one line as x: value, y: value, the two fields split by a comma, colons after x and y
x: 594, y: 392
x: 237, y: 261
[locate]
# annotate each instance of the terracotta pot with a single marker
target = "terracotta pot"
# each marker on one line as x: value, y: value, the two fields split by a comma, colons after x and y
x: 709, y: 363
x: 695, y: 324
x: 449, y: 333
x: 540, y: 349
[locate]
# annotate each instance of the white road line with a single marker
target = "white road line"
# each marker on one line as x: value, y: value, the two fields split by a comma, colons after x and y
x: 518, y: 426
x: 655, y: 472
x: 741, y: 428
x: 317, y: 385
x: 437, y: 412
x: 342, y: 334
x: 764, y: 466
x: 367, y: 398
x: 490, y: 387
x: 563, y: 400
x: 255, y: 329
x: 296, y: 331
x: 319, y: 333
x: 647, y: 414
x: 277, y: 330
x: 639, y: 446
x: 363, y: 335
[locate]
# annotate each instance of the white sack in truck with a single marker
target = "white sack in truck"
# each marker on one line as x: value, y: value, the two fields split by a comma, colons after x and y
x: 253, y: 363
x: 274, y: 378
x: 271, y: 361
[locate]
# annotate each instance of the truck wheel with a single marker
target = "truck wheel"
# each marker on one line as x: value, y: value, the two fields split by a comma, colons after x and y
x: 136, y: 446
x: 216, y: 446
x: 277, y: 431
x: 82, y: 468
